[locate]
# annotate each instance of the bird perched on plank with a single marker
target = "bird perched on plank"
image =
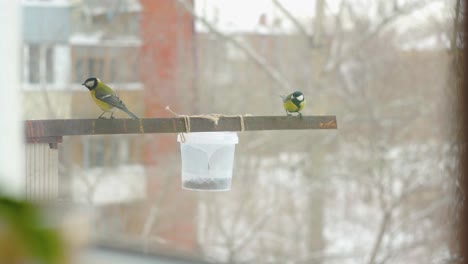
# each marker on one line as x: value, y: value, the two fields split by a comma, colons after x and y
x: 105, y: 97
x: 294, y: 103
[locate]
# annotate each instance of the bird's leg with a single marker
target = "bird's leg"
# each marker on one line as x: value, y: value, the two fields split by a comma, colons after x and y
x: 287, y: 113
x: 101, y: 116
x: 300, y: 115
x: 112, y: 115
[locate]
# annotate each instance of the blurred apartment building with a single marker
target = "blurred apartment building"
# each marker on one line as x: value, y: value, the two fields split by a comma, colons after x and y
x: 141, y: 49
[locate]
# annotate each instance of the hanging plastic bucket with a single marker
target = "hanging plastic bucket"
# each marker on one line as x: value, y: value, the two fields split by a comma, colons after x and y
x: 207, y: 160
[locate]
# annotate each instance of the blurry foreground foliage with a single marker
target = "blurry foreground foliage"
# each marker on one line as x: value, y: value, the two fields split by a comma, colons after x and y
x: 24, y: 235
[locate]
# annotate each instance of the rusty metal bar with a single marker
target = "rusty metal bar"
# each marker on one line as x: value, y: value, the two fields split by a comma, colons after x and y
x: 36, y: 129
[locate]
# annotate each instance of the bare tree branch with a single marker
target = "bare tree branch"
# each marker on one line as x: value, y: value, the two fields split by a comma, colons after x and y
x: 386, y: 218
x: 257, y: 58
x: 151, y: 219
x: 409, y: 8
x: 421, y: 214
x: 294, y: 20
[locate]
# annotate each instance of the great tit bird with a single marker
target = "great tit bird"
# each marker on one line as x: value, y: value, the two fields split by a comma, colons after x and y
x: 105, y: 97
x: 294, y: 103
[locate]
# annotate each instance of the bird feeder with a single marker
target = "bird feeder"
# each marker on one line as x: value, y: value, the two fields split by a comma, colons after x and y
x: 207, y: 160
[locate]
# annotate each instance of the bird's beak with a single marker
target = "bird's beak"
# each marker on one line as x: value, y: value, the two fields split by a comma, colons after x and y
x: 83, y: 84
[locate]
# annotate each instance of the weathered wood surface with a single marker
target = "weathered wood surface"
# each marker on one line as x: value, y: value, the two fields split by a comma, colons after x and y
x: 56, y: 128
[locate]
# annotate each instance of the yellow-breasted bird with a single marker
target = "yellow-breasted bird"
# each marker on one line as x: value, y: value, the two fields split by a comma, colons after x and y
x: 105, y: 97
x: 294, y: 103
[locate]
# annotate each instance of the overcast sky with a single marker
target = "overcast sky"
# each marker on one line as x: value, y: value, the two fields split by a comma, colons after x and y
x: 243, y: 15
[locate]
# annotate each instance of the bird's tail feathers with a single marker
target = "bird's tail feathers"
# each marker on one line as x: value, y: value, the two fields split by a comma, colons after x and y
x: 283, y: 97
x: 280, y: 95
x: 132, y: 115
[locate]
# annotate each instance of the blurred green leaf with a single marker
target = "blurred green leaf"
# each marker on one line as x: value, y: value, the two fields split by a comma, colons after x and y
x: 28, y: 229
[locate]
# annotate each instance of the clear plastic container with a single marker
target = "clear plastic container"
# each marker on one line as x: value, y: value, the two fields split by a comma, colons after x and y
x: 207, y: 160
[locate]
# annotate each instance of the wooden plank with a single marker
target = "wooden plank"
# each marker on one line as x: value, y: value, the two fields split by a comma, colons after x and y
x: 74, y: 127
